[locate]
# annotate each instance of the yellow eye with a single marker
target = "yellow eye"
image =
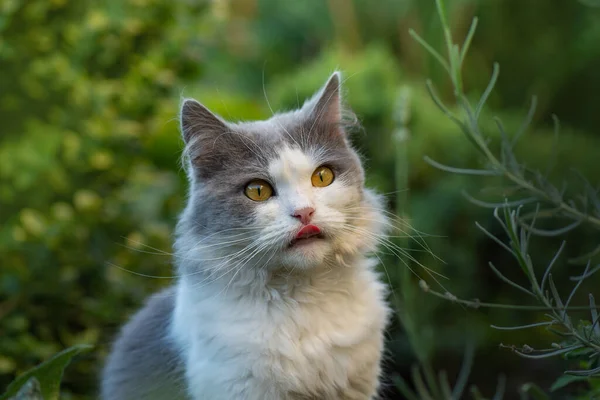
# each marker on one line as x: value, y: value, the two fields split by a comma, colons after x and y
x: 258, y: 190
x: 322, y: 177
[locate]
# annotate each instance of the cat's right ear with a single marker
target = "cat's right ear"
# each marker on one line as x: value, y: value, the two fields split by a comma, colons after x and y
x: 197, y: 122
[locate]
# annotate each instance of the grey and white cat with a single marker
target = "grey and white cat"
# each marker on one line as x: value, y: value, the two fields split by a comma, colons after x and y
x: 276, y: 298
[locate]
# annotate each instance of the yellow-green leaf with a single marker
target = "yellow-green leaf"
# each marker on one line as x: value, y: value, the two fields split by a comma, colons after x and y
x: 48, y: 374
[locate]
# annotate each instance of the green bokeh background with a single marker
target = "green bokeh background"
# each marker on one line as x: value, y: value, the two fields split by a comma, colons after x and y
x: 91, y: 185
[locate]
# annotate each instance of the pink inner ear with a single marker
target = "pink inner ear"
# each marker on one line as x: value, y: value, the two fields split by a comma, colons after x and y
x: 328, y: 107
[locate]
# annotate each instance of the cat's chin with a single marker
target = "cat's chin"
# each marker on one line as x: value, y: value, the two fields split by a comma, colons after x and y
x: 301, y: 243
x: 306, y: 253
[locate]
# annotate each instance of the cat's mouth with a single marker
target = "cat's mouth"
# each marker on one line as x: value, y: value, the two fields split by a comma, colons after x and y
x: 306, y: 235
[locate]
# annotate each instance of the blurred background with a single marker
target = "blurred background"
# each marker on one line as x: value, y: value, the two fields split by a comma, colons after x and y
x: 89, y: 154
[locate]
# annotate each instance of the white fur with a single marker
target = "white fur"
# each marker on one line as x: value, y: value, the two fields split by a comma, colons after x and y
x: 300, y: 323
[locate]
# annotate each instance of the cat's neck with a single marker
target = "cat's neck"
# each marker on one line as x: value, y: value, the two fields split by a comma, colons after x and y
x: 276, y: 283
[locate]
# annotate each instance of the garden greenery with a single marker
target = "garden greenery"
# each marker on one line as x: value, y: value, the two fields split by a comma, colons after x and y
x: 529, y: 198
x: 89, y: 177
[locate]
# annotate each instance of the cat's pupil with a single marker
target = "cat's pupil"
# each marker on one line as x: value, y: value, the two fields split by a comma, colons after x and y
x: 258, y: 190
x: 321, y: 175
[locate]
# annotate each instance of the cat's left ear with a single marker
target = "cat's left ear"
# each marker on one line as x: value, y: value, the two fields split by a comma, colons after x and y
x: 326, y: 104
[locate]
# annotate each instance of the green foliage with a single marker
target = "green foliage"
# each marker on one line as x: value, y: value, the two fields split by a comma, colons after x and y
x: 45, y: 378
x: 80, y: 168
x: 591, y: 3
x: 524, y: 187
x: 439, y: 387
x: 90, y: 184
x: 532, y: 391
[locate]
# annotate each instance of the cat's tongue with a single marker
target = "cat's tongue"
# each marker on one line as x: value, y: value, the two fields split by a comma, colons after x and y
x: 308, y: 231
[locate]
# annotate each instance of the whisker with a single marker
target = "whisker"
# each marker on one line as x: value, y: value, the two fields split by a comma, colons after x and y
x: 252, y: 248
x: 226, y: 258
x: 396, y: 249
x: 139, y: 273
x: 271, y: 108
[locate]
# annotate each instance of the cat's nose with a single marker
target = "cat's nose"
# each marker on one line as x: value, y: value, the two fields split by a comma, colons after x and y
x: 304, y: 214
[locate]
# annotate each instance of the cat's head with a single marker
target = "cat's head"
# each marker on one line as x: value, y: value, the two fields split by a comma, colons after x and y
x: 286, y: 192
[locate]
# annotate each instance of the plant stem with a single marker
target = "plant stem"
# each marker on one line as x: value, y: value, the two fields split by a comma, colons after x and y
x: 478, y: 304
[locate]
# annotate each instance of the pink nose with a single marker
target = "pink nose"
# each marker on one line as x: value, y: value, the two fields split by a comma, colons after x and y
x: 304, y: 214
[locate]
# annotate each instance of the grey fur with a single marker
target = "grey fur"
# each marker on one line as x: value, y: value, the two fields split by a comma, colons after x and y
x: 222, y: 158
x: 144, y: 364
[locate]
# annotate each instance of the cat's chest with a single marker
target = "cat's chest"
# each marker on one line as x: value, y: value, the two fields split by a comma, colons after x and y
x: 290, y: 326
x: 312, y: 339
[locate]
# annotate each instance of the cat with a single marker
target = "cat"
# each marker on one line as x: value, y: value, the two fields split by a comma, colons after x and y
x: 276, y: 296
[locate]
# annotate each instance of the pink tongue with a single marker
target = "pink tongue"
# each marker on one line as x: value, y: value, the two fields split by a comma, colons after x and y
x: 308, y: 231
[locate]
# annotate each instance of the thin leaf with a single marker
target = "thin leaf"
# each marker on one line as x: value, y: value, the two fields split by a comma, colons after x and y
x: 537, y: 210
x: 584, y: 373
x: 526, y: 121
x: 468, y: 39
x: 562, y: 334
x: 488, y: 90
x: 500, y: 220
x: 464, y: 171
x: 494, y: 238
x: 586, y: 275
x: 555, y: 295
x: 431, y: 381
x: 580, y: 353
x: 476, y: 393
x: 508, y: 156
x: 511, y: 230
x: 577, y: 285
x: 476, y: 303
x: 533, y: 390
x: 549, y: 353
x: 404, y: 388
x: 584, y: 258
x: 548, y: 213
x: 445, y: 385
x: 564, y: 380
x: 524, y: 236
x: 486, y: 204
x: 48, y: 374
x: 430, y: 49
x: 551, y: 233
x: 465, y: 371
x: 471, y: 130
x: 438, y: 102
x: 474, y: 133
x: 419, y: 384
x: 511, y: 283
x: 594, y: 312
x: 500, y: 388
x: 591, y: 192
x: 549, y: 268
x: 514, y: 328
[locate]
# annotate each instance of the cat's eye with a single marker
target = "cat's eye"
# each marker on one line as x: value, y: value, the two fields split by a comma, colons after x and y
x: 258, y: 190
x: 323, y: 176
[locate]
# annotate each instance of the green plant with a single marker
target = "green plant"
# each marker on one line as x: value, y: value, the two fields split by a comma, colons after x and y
x: 427, y: 385
x: 527, y: 196
x: 43, y: 382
